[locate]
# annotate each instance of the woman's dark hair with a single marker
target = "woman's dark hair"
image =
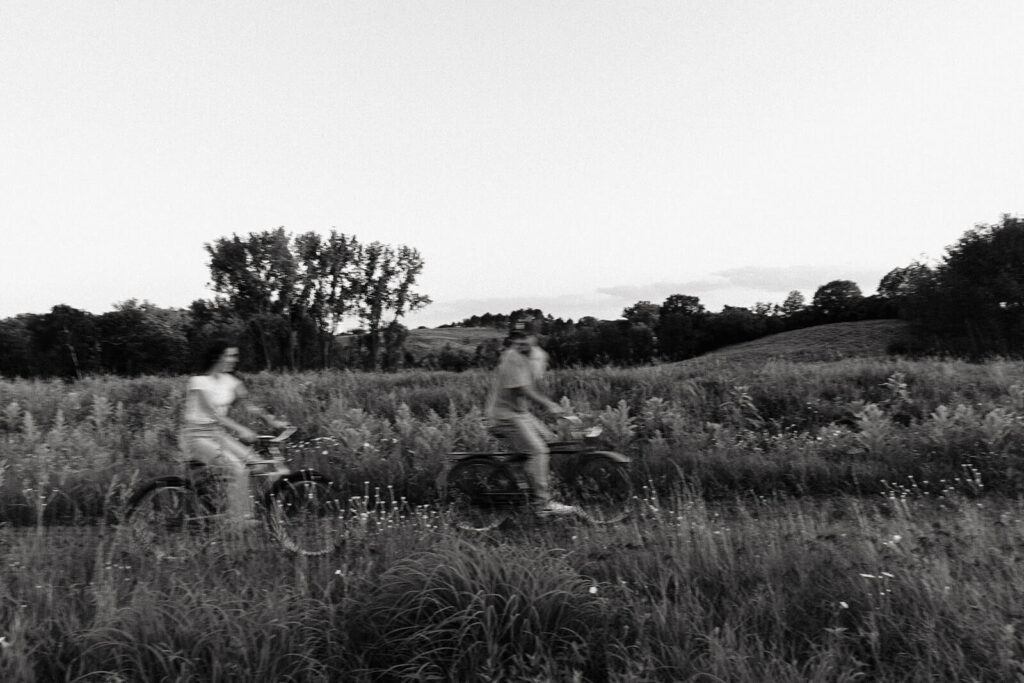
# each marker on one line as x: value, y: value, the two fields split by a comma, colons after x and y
x: 215, y: 348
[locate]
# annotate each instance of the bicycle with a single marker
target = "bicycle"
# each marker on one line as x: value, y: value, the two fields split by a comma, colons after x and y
x: 480, y: 491
x: 176, y: 516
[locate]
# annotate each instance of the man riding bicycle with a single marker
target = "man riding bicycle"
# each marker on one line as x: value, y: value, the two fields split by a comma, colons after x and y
x: 514, y: 388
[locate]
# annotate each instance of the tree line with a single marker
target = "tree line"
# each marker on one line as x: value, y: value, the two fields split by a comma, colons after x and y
x: 969, y: 304
x: 282, y: 297
x: 678, y: 328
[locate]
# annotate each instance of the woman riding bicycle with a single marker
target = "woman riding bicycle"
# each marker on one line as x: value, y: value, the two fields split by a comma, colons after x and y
x: 205, y: 431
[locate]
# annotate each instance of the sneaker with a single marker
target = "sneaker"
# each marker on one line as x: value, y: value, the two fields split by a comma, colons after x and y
x: 553, y: 509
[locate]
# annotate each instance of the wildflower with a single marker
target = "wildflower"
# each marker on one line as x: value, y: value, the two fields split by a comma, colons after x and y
x: 593, y: 590
x: 3, y: 642
x: 843, y: 604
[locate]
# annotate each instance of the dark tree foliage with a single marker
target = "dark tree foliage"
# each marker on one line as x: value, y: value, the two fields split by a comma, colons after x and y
x: 65, y: 342
x: 279, y: 298
x: 836, y: 301
x: 292, y: 293
x: 16, y: 348
x: 682, y: 327
x: 643, y: 313
x: 282, y: 299
x: 140, y: 339
x: 735, y: 325
x: 972, y: 303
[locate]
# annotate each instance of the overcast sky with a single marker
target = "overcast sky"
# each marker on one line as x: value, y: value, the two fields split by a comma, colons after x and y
x: 576, y: 156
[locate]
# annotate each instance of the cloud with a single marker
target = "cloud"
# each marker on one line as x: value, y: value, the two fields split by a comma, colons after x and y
x: 806, y: 277
x: 762, y: 279
x: 657, y: 291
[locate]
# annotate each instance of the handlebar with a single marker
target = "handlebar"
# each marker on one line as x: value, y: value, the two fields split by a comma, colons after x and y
x: 280, y: 438
x: 577, y: 428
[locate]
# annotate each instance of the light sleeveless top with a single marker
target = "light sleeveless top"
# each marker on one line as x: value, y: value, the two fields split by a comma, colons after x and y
x: 219, y: 392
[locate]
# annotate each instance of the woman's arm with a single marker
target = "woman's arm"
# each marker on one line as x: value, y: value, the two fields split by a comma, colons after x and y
x: 242, y: 395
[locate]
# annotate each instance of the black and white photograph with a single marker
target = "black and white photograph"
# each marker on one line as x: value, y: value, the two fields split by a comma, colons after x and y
x: 506, y: 341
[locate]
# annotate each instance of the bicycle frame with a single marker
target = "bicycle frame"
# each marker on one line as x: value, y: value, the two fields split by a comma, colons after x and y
x: 496, y: 482
x: 301, y: 509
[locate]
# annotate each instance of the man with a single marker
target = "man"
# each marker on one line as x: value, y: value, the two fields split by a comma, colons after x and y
x: 513, y: 390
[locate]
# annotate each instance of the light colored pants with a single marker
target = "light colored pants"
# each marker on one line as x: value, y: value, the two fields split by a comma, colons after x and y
x: 529, y: 435
x: 227, y: 457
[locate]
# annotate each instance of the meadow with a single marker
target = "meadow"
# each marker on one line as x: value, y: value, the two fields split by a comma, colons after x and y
x: 857, y: 519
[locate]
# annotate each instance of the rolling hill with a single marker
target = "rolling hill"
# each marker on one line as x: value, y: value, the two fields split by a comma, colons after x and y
x: 819, y: 343
x: 864, y: 338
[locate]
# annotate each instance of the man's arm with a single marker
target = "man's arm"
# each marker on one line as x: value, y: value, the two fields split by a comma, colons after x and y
x: 531, y: 393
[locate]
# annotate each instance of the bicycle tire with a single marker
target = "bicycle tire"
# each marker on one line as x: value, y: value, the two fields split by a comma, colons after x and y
x: 603, y: 490
x: 306, y: 515
x: 477, y: 495
x: 169, y: 519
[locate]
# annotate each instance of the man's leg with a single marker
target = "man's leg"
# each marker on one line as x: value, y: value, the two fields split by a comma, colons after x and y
x: 523, y: 432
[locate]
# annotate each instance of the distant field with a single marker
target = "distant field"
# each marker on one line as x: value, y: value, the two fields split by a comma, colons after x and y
x: 862, y: 339
x: 431, y: 341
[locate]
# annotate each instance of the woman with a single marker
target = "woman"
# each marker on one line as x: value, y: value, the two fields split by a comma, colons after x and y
x: 205, y: 433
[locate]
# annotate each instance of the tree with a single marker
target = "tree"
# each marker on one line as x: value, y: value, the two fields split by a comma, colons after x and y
x: 293, y: 293
x: 973, y: 302
x: 734, y: 325
x: 141, y: 338
x: 793, y: 304
x: 64, y: 342
x: 15, y: 347
x: 328, y: 278
x: 258, y: 277
x: 684, y: 304
x: 643, y: 313
x: 386, y: 289
x: 681, y: 327
x: 836, y: 300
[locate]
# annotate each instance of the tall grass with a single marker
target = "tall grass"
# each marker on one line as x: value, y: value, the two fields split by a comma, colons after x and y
x: 856, y: 520
x: 805, y: 429
x: 903, y: 587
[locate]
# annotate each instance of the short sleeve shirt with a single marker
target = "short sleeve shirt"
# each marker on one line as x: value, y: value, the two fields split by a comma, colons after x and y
x: 219, y: 392
x: 514, y: 372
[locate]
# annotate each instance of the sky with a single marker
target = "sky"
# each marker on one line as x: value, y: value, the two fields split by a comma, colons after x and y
x: 574, y: 156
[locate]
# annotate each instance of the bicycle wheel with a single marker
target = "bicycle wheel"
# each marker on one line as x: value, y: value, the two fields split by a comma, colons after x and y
x: 603, y: 490
x: 305, y: 514
x: 169, y: 519
x: 478, y: 495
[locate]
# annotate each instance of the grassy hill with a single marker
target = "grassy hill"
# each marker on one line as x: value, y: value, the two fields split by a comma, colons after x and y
x: 423, y: 342
x: 865, y: 338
